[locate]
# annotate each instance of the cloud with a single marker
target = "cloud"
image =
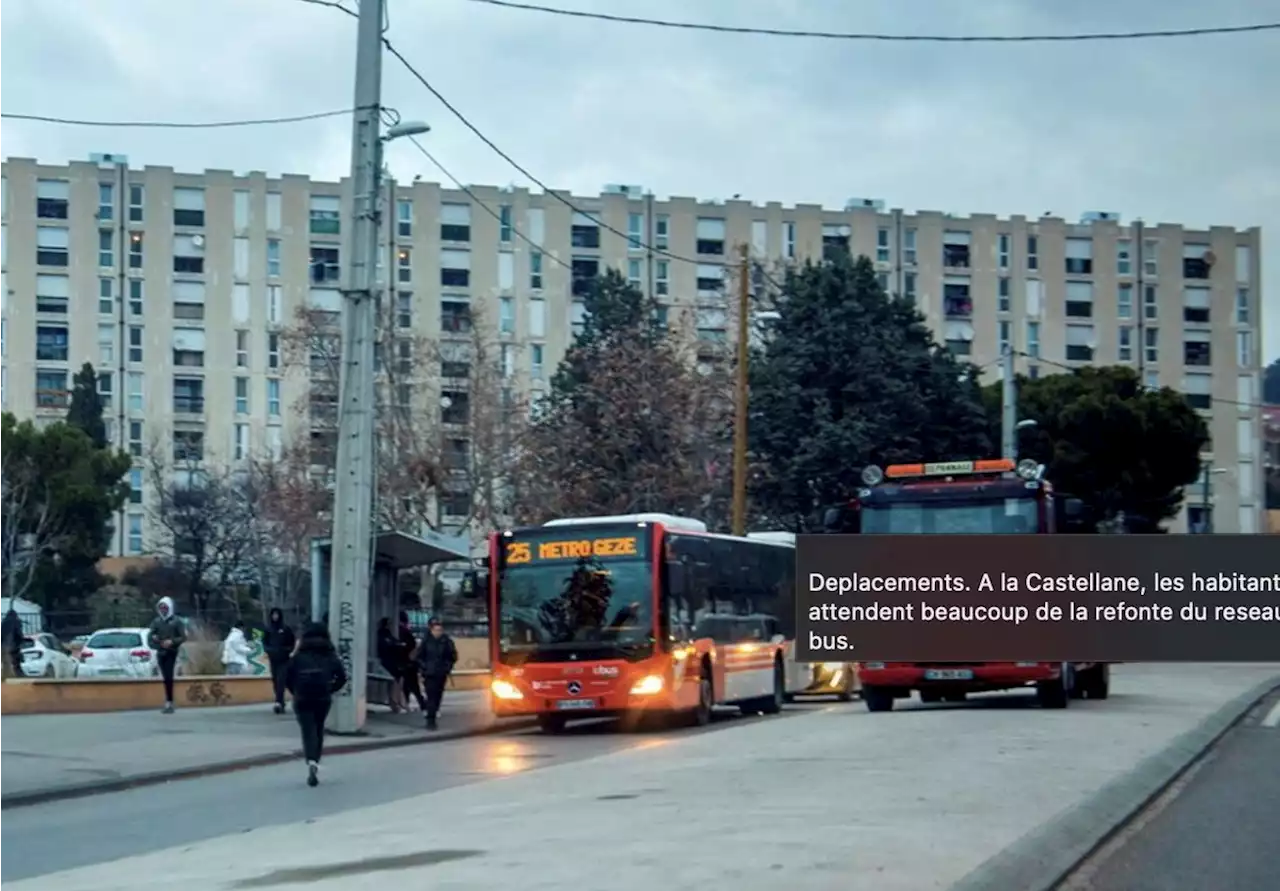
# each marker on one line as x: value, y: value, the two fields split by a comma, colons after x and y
x: 1176, y: 130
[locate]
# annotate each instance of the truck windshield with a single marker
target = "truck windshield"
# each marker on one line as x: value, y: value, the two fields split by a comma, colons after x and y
x: 1003, y: 516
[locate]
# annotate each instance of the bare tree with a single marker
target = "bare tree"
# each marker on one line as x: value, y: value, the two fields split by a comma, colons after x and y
x: 29, y: 532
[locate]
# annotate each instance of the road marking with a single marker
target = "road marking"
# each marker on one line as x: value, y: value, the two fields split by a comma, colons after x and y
x: 1273, y: 717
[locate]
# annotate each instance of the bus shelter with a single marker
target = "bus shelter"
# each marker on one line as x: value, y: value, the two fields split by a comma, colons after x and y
x: 393, y: 552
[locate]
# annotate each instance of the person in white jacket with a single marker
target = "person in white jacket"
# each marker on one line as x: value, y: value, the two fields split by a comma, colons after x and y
x: 236, y: 650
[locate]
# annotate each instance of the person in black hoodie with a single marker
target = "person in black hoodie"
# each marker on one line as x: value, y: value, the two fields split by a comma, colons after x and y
x: 278, y: 643
x: 436, y: 657
x: 408, y: 667
x: 313, y: 675
x: 392, y: 661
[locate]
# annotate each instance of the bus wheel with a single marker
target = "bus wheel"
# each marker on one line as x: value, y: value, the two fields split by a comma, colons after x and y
x: 877, y: 699
x: 772, y: 705
x: 551, y: 723
x: 701, y: 714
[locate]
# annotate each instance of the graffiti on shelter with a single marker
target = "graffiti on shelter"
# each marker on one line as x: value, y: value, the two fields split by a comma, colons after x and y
x: 213, y: 693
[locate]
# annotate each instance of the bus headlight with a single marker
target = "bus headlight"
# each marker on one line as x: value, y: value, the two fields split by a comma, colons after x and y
x: 647, y: 686
x: 505, y: 690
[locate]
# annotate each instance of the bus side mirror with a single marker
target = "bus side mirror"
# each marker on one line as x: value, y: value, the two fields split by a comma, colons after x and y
x: 1073, y: 508
x: 831, y: 518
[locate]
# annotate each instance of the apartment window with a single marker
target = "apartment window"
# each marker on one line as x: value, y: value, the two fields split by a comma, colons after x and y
x: 882, y: 279
x: 661, y: 231
x: 455, y: 316
x: 106, y: 344
x: 326, y: 263
x: 135, y: 486
x: 882, y: 245
x: 1124, y: 301
x: 51, y: 388
x: 273, y: 350
x: 537, y: 317
x: 404, y: 309
x: 660, y: 314
x: 242, y: 349
x: 908, y: 246
x: 710, y: 279
x: 537, y: 230
x: 135, y: 297
x: 909, y: 286
x: 51, y: 246
x: 1080, y: 340
x: 135, y: 344
x: 188, y: 445
x: 1194, y: 262
x: 505, y: 230
x: 582, y: 272
x: 325, y: 215
x: 633, y: 274
x: 275, y: 304
x: 1079, y: 258
x: 273, y: 211
x: 1005, y: 335
x: 1244, y: 348
x: 240, y: 209
x: 1242, y: 306
x: 455, y: 222
x: 53, y: 293
x: 404, y: 219
x: 51, y: 343
x: 273, y: 397
x: 455, y: 407
x: 106, y: 248
x: 577, y: 318
x: 958, y: 337
x: 188, y: 347
x: 1124, y: 258
x: 1151, y: 380
x: 1124, y: 352
x: 506, y: 315
x: 635, y: 231
x: 1151, y: 344
x: 106, y: 296
x: 106, y: 202
x: 242, y: 395
x: 584, y: 232
x: 1033, y: 252
x: 273, y: 257
x: 957, y: 301
x: 188, y: 254
x: 507, y: 359
x: 134, y: 392
x: 404, y: 356
x: 789, y: 240
x: 240, y: 444
x: 710, y: 236
x: 1033, y: 339
x: 137, y: 202
x: 1150, y: 303
x: 1150, y: 257
x: 188, y: 207
x: 1197, y: 351
x: 52, y: 199
x: 135, y: 438
x: 535, y: 271
x: 240, y: 258
x: 136, y: 245
x: 1195, y: 305
x: 1198, y: 389
x: 1079, y: 303
x: 661, y: 277
x: 135, y: 534
x: 835, y: 240
x: 188, y: 396
x: 536, y: 352
x: 759, y: 237
x: 1002, y: 251
x: 455, y: 268
x: 404, y: 266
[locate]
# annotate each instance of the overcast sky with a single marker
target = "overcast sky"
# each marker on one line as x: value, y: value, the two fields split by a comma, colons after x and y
x: 1184, y: 130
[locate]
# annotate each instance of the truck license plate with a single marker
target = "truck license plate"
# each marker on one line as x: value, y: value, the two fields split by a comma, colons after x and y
x: 948, y: 674
x: 566, y: 704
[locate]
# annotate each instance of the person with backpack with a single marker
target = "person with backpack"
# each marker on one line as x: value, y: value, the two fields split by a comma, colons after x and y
x: 314, y: 674
x: 278, y: 642
x: 436, y: 656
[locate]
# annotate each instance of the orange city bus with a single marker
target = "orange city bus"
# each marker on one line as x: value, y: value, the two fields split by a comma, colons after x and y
x: 642, y: 615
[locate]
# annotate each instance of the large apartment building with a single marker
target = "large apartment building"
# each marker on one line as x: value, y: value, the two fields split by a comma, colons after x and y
x: 176, y: 287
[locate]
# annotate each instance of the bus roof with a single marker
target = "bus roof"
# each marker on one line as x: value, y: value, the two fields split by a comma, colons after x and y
x: 669, y: 520
x: 779, y: 537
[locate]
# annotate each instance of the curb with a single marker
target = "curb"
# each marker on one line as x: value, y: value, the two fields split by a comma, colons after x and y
x: 120, y: 784
x: 1045, y: 857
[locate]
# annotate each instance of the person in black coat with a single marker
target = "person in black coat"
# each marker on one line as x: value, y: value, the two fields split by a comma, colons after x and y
x: 313, y: 675
x: 12, y: 634
x: 409, y: 668
x: 278, y: 642
x: 436, y: 657
x: 392, y: 659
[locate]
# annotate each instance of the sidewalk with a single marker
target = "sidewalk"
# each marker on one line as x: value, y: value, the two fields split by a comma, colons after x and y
x: 837, y: 800
x: 46, y: 757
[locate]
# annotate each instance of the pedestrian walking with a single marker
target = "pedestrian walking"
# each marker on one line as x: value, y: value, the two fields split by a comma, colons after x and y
x: 166, y: 636
x: 435, y: 657
x: 236, y: 650
x: 392, y: 662
x: 11, y: 632
x: 314, y: 674
x: 278, y: 643
x: 408, y: 667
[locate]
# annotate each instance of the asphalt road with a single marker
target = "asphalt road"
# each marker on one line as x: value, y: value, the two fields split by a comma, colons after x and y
x: 62, y: 835
x: 1218, y: 828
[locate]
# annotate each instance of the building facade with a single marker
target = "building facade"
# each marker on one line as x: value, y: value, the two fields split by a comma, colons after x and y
x: 177, y: 288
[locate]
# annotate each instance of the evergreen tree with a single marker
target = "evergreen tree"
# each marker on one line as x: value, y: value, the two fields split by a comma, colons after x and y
x: 86, y: 408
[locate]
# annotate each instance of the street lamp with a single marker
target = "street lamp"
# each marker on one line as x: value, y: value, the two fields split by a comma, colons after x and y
x: 406, y: 128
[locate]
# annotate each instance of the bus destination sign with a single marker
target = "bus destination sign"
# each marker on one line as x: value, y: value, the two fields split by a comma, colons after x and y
x: 605, y: 545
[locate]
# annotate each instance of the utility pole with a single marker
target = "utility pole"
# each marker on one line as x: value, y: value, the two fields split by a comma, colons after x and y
x: 740, y: 401
x: 1008, y: 405
x: 353, y: 499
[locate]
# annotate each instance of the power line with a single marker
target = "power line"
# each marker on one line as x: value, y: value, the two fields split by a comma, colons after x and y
x: 178, y: 125
x: 887, y: 38
x: 1076, y: 368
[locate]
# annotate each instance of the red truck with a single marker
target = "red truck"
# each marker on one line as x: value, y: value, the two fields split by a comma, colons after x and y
x: 993, y: 497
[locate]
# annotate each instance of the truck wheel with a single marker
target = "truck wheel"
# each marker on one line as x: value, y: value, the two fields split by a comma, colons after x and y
x: 1056, y: 693
x: 929, y: 697
x: 1095, y: 682
x: 877, y: 699
x: 551, y: 723
x: 846, y: 695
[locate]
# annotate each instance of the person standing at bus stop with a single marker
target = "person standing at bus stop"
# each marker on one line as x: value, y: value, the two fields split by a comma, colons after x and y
x: 436, y: 657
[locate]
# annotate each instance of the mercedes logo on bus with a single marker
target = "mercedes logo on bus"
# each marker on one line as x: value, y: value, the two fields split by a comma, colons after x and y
x: 574, y: 688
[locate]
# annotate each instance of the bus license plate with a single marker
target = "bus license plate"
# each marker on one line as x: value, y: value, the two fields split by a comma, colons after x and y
x: 948, y: 674
x: 566, y: 704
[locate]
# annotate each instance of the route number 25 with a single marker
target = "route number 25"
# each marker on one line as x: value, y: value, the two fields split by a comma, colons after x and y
x: 518, y: 552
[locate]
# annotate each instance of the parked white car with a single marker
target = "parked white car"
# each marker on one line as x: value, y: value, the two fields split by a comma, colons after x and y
x: 118, y: 652
x: 44, y: 657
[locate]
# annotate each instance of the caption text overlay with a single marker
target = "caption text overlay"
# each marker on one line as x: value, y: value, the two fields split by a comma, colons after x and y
x: 1103, y: 598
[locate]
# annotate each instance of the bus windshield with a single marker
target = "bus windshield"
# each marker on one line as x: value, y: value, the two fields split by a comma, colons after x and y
x: 1003, y: 516
x: 575, y: 595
